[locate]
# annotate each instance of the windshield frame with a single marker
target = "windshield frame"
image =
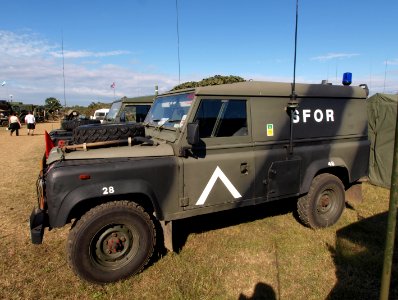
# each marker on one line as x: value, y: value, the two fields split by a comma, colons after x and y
x: 170, y: 111
x: 113, y: 111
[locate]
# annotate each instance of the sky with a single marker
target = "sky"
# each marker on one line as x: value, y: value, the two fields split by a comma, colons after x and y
x: 75, y: 50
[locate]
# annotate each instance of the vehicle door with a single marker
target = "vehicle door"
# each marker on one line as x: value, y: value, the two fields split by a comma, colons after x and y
x: 219, y: 172
x: 277, y: 172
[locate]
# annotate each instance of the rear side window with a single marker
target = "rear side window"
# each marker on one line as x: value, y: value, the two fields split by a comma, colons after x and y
x: 222, y: 118
x: 135, y: 113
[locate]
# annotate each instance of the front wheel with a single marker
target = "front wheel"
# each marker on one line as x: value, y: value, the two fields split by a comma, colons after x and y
x: 324, y: 203
x: 111, y: 242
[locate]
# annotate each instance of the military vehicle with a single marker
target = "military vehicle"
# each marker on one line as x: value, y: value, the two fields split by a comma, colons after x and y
x: 21, y: 110
x: 69, y: 122
x: 204, y: 150
x: 125, y: 110
x: 5, y: 111
x: 129, y: 110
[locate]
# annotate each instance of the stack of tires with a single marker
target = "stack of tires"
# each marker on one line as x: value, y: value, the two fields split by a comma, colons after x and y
x: 106, y: 132
x: 65, y: 134
x: 70, y: 125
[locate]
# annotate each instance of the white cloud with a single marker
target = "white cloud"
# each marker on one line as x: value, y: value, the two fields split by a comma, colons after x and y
x: 22, y: 45
x: 33, y: 70
x: 83, y: 54
x: 330, y: 56
x: 392, y: 62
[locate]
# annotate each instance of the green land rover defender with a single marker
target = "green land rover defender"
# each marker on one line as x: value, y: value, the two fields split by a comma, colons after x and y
x: 200, y: 151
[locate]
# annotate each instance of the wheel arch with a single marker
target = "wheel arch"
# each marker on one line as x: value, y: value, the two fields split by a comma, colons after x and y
x: 80, y: 201
x: 339, y: 169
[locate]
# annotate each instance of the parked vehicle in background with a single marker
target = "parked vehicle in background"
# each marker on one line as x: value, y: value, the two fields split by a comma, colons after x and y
x: 71, y: 120
x: 125, y: 110
x: 100, y: 114
x: 199, y: 151
x: 129, y: 110
x: 5, y: 111
x: 21, y: 110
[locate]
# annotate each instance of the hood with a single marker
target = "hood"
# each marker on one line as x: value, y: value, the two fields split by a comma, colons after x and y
x: 141, y: 150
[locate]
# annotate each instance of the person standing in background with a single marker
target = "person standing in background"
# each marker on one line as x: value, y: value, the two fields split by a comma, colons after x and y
x: 14, y: 124
x: 30, y: 122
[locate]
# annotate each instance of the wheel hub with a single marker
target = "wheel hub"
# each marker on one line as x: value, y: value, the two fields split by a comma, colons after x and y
x: 115, y: 244
x: 324, y: 203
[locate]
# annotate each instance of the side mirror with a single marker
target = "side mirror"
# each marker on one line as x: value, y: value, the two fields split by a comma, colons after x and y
x: 193, y: 133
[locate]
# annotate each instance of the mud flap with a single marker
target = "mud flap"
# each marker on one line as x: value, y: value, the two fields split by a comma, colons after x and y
x: 167, y: 227
x: 354, y: 193
x: 38, y: 220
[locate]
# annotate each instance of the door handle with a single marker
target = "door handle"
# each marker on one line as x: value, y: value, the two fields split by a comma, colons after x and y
x: 244, y: 168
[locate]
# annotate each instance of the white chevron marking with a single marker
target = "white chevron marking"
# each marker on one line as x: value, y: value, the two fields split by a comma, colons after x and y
x: 217, y: 174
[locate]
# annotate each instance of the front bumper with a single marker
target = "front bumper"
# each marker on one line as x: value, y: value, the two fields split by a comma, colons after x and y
x: 38, y: 221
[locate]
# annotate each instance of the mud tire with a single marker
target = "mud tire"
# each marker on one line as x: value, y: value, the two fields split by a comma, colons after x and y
x: 111, y: 242
x: 70, y: 125
x: 106, y: 132
x: 60, y: 135
x: 324, y: 203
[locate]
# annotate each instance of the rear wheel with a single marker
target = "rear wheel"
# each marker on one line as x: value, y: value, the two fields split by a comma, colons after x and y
x: 111, y: 242
x: 324, y: 203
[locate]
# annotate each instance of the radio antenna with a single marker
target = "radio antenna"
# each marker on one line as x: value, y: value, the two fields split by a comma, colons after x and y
x: 178, y: 46
x: 293, y: 96
x: 293, y: 104
x: 385, y: 77
x: 63, y: 66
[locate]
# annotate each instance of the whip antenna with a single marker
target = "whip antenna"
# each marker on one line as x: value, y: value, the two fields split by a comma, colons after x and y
x: 293, y: 104
x: 293, y: 95
x: 63, y: 66
x: 178, y: 46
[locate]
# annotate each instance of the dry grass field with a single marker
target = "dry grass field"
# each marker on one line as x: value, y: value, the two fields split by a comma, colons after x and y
x: 253, y: 253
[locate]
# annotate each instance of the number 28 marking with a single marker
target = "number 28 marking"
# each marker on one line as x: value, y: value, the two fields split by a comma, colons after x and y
x: 108, y: 190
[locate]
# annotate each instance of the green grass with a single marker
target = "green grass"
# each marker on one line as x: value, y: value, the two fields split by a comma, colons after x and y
x: 261, y: 252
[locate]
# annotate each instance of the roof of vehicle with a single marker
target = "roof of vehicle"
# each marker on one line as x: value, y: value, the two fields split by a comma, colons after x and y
x: 141, y: 99
x: 278, y: 89
x: 105, y: 110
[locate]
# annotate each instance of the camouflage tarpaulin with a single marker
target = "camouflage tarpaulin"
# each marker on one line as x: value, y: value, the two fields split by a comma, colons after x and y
x: 382, y: 114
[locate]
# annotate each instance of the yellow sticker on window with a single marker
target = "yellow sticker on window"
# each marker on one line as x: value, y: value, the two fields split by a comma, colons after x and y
x: 270, y: 129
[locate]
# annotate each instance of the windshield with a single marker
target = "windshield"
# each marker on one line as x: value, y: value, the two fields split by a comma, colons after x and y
x: 170, y: 111
x: 111, y: 116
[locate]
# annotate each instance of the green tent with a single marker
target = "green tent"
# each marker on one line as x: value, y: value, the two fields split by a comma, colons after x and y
x: 382, y: 115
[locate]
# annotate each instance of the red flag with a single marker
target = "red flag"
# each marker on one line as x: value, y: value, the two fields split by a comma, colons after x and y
x: 113, y: 85
x: 49, y: 143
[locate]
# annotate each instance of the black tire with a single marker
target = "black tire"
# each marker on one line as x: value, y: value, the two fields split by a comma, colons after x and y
x: 60, y: 135
x: 324, y: 203
x: 111, y: 242
x: 59, y: 132
x: 70, y: 125
x: 106, y: 132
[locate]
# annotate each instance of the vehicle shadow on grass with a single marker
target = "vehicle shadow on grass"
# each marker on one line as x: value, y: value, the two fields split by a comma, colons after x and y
x: 359, y: 255
x: 203, y: 223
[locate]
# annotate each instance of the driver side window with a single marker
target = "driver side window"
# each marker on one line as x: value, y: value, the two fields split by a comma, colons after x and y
x: 222, y: 118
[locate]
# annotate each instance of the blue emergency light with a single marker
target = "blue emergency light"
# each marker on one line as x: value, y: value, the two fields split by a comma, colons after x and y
x: 347, y: 78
